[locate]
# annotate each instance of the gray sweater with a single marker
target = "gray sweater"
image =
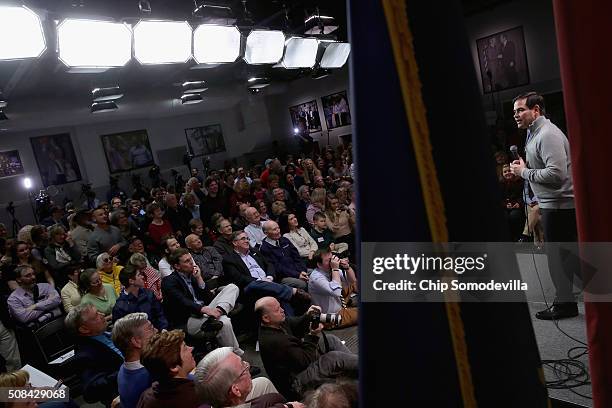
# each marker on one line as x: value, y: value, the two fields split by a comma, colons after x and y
x: 549, y: 165
x: 101, y: 240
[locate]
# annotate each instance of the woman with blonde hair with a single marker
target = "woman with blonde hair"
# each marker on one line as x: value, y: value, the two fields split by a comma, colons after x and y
x: 310, y: 171
x: 278, y: 208
x: 317, y: 203
x: 340, y: 222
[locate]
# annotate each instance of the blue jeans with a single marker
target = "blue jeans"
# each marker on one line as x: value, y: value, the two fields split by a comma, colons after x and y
x: 260, y: 288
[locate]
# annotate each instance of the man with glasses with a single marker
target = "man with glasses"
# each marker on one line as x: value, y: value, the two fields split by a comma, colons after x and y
x: 252, y: 273
x: 223, y: 380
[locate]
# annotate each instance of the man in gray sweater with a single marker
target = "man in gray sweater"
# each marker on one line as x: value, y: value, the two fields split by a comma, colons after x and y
x: 548, y: 170
x: 104, y: 238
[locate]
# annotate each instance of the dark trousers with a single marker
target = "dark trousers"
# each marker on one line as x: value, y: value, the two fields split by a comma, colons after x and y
x: 563, y: 263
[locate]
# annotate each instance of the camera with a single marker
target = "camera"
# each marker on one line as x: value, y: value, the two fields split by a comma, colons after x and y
x: 331, y: 319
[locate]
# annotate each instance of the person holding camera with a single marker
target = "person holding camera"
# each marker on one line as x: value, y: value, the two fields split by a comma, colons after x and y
x: 332, y: 286
x: 296, y: 354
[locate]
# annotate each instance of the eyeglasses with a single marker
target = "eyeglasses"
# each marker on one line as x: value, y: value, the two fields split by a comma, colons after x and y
x: 242, y: 239
x: 245, y: 367
x: 107, y: 259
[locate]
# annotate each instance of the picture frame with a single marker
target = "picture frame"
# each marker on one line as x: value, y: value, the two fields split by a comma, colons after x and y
x: 57, y: 163
x: 336, y: 110
x: 503, y: 60
x: 127, y: 151
x: 10, y: 164
x: 205, y: 140
x: 305, y: 118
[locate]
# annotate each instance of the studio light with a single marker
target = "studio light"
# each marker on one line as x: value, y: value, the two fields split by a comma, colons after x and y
x: 21, y: 33
x: 317, y: 24
x: 89, y: 43
x: 27, y: 183
x: 191, y: 99
x: 190, y: 87
x: 257, y: 83
x: 215, y: 44
x: 300, y: 53
x: 264, y: 47
x: 162, y: 42
x: 106, y: 106
x: 335, y: 55
x: 106, y: 94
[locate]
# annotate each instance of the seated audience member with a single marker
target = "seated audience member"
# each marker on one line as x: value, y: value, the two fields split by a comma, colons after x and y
x: 262, y: 207
x: 71, y: 296
x: 169, y: 361
x: 196, y: 226
x: 119, y: 218
x: 151, y: 276
x: 56, y: 218
x: 331, y: 287
x: 295, y: 355
x: 130, y: 334
x: 208, y: 260
x: 341, y: 394
x: 21, y: 256
x: 104, y: 238
x: 323, y: 236
x: 317, y: 204
x: 116, y: 203
x: 158, y: 228
x: 302, y: 203
x: 240, y: 221
x: 20, y: 379
x: 136, y: 246
x: 189, y: 306
x: 189, y: 202
x: 80, y: 230
x: 255, y: 228
x: 280, y: 252
x: 168, y: 244
x: 341, y: 223
x: 254, y: 275
x: 40, y: 240
x: 178, y: 216
x: 101, y: 295
x: 223, y: 380
x: 278, y: 208
x: 61, y: 253
x: 96, y: 356
x: 223, y: 244
x: 215, y: 202
x: 301, y: 240
x: 135, y: 298
x: 258, y: 191
x: 33, y: 303
x: 241, y: 175
x: 109, y: 271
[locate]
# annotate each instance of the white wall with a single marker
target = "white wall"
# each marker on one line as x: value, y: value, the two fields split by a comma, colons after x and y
x: 537, y: 20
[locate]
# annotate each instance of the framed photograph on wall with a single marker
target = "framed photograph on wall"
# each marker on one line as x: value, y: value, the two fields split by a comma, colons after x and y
x: 305, y: 118
x: 56, y: 160
x: 336, y: 110
x: 205, y: 140
x: 503, y: 60
x: 127, y: 151
x: 10, y: 164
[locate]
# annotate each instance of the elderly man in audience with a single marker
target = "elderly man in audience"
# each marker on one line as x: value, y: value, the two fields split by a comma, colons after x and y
x: 255, y: 228
x: 295, y: 353
x: 223, y: 380
x: 332, y: 285
x: 223, y: 244
x: 97, y: 357
x: 280, y: 252
x: 254, y: 275
x: 135, y: 298
x: 170, y: 361
x: 71, y: 296
x: 190, y: 306
x: 61, y: 253
x: 208, y: 260
x: 341, y: 394
x: 130, y: 334
x: 33, y: 303
x: 104, y: 238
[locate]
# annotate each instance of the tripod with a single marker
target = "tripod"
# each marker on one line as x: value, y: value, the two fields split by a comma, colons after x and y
x: 16, y: 225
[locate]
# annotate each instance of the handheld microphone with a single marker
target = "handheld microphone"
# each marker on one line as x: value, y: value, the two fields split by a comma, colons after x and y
x: 514, y: 152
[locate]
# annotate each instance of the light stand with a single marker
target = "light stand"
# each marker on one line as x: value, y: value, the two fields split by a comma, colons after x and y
x: 16, y: 225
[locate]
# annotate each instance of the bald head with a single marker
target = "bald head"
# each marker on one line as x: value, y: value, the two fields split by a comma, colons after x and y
x: 269, y: 311
x: 252, y: 215
x: 272, y: 230
x: 193, y: 242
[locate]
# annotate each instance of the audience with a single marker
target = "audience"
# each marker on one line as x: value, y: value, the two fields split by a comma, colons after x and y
x: 255, y: 228
x: 81, y: 229
x: 223, y: 244
x: 301, y: 240
x: 131, y: 333
x: 150, y: 276
x: 32, y: 303
x: 101, y: 295
x: 168, y: 245
x: 208, y: 260
x: 22, y: 256
x: 104, y: 238
x: 280, y: 252
x: 71, y: 296
x: 61, y: 253
x: 159, y: 227
x: 109, y: 271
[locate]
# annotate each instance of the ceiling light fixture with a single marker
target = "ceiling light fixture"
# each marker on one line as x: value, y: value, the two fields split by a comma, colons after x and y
x: 162, y: 42
x: 105, y: 106
x: 106, y: 94
x: 336, y: 54
x: 190, y: 87
x: 191, y: 99
x: 300, y: 53
x: 215, y: 44
x: 264, y: 47
x: 89, y: 43
x: 258, y: 83
x: 21, y: 32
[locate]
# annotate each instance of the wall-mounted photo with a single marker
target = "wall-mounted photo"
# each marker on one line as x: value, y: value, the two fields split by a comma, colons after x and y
x: 10, y: 164
x: 127, y: 151
x: 56, y: 160
x: 205, y: 140
x: 336, y: 110
x: 503, y: 60
x: 305, y: 117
